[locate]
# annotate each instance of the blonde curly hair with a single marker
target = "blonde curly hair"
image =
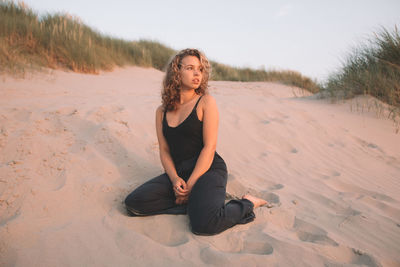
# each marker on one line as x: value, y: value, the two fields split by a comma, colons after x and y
x: 172, y: 80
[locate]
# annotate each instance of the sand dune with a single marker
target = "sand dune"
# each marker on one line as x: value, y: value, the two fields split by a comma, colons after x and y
x: 72, y: 146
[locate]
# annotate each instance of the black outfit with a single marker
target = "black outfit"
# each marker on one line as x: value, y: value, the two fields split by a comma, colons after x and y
x: 206, y: 206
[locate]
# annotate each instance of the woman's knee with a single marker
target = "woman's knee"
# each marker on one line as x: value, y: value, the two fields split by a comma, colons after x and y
x: 203, y: 224
x: 142, y: 193
x: 133, y: 204
x: 130, y: 199
x: 202, y: 231
x: 200, y: 228
x: 204, y: 228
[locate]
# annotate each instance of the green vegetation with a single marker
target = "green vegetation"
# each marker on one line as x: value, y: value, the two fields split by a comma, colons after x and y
x: 28, y: 42
x: 288, y: 77
x: 62, y: 41
x: 372, y: 69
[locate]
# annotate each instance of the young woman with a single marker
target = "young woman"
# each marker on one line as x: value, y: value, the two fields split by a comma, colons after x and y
x: 195, y: 175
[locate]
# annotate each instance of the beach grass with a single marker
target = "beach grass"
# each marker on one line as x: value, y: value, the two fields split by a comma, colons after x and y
x: 61, y: 41
x: 372, y: 68
x: 288, y: 77
x: 29, y: 42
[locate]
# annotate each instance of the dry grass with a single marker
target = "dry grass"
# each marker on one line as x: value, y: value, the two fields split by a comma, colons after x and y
x: 373, y: 69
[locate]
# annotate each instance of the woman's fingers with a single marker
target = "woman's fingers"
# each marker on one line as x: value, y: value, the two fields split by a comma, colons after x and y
x: 179, y: 182
x: 180, y: 187
x: 181, y: 192
x: 181, y: 200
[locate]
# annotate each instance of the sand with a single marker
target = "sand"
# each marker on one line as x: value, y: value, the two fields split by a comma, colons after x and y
x: 72, y: 146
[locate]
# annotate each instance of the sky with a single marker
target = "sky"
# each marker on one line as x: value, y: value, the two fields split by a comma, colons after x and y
x: 309, y: 36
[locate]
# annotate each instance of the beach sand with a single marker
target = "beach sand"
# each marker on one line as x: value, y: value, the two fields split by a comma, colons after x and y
x: 72, y: 146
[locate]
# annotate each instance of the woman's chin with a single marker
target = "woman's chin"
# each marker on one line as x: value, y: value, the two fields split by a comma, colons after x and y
x: 192, y: 87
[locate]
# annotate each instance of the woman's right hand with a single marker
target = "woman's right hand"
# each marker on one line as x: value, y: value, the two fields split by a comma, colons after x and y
x: 180, y: 189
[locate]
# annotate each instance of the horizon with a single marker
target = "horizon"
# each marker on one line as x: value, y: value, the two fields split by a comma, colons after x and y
x: 311, y: 37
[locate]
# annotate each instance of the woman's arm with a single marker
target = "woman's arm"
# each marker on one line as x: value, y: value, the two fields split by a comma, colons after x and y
x: 179, y: 185
x: 210, y: 134
x: 165, y: 156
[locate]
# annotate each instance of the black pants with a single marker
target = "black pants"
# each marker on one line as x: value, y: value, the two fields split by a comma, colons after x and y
x: 208, y: 213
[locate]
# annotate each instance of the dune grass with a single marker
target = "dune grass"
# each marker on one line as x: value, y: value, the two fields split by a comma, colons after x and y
x: 29, y: 41
x: 288, y: 77
x: 372, y: 68
x: 63, y: 41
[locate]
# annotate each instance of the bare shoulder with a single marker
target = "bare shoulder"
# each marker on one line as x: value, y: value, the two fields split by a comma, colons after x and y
x: 159, y: 111
x: 207, y: 106
x: 208, y: 101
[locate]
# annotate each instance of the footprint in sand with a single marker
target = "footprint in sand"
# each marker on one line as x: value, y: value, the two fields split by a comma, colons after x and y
x: 252, y: 241
x: 279, y: 119
x: 344, y: 255
x: 361, y: 258
x: 59, y: 181
x: 338, y: 207
x: 337, y: 143
x: 276, y: 187
x: 55, y: 172
x: 213, y: 257
x: 21, y: 114
x: 371, y: 145
x: 331, y: 174
x: 377, y: 151
x: 170, y: 234
x: 308, y: 232
x: 9, y: 215
x: 347, y: 188
x: 364, y: 143
x: 268, y: 196
x: 255, y: 243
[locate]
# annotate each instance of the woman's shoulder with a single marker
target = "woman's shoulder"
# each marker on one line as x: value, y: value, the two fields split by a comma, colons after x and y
x: 207, y: 100
x: 160, y: 111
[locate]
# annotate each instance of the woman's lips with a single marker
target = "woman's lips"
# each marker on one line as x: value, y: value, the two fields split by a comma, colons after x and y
x: 195, y: 80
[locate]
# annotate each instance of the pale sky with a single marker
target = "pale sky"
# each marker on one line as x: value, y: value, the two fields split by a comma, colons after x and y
x: 309, y: 36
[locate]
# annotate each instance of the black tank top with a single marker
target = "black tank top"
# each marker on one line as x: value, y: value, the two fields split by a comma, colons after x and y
x: 185, y: 141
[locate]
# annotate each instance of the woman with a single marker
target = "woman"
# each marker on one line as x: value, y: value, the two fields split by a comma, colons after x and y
x: 195, y: 175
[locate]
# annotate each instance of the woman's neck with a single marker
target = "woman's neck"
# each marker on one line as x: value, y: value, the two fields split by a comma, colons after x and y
x: 186, y: 96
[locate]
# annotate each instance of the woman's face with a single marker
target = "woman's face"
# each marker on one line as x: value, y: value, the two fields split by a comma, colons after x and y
x: 191, y: 73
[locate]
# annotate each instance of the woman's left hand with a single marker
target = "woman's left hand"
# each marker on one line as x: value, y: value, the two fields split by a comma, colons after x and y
x: 184, y: 199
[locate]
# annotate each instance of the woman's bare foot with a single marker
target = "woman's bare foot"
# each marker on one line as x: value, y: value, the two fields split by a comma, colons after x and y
x: 255, y: 200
